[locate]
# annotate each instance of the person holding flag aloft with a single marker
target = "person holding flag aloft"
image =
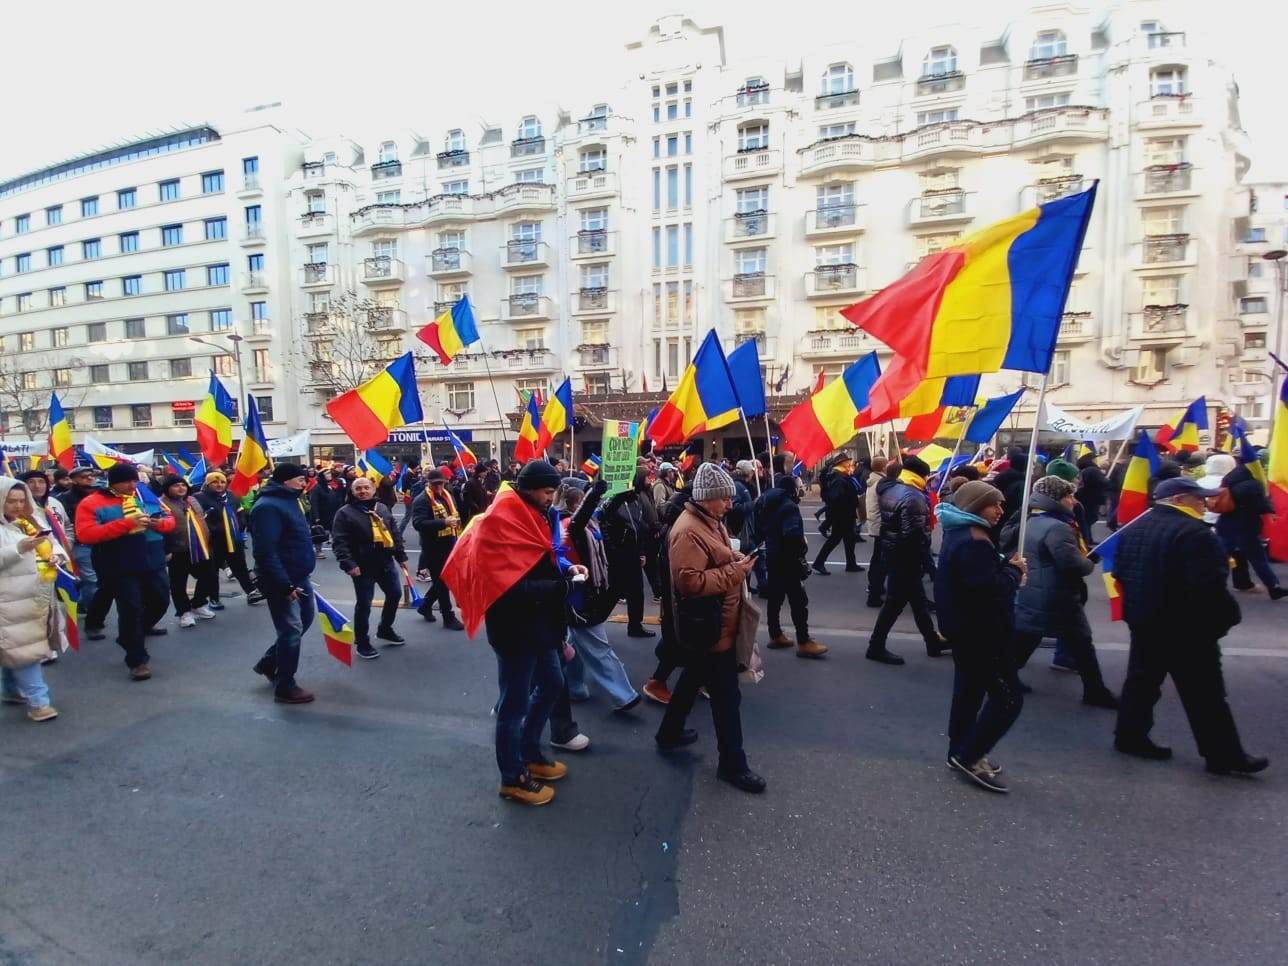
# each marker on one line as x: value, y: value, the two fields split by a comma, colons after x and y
x: 438, y: 523
x: 188, y: 553
x: 1242, y: 501
x: 367, y: 546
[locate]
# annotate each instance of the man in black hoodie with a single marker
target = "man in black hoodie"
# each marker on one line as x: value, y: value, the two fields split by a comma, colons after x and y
x: 366, y: 545
x: 842, y: 494
x: 785, y: 551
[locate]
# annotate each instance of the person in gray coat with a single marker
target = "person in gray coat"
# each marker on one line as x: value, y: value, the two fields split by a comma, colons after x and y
x: 1051, y: 603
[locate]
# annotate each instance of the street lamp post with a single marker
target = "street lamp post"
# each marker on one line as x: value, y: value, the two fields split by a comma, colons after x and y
x: 1277, y: 258
x: 236, y: 340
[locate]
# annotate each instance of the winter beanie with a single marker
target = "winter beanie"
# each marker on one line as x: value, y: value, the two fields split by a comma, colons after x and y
x: 1054, y: 487
x: 1063, y: 469
x: 288, y: 471
x: 122, y: 473
x: 975, y: 495
x: 537, y: 475
x: 711, y: 483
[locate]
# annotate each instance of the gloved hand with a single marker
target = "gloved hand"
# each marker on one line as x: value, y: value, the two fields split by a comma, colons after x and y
x: 599, y: 487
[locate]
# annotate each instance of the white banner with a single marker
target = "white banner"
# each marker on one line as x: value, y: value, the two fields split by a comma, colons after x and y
x: 297, y: 445
x: 1053, y: 419
x: 94, y: 448
x: 13, y: 447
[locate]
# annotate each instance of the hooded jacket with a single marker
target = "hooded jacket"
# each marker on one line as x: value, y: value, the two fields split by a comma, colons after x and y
x: 780, y: 516
x: 25, y: 599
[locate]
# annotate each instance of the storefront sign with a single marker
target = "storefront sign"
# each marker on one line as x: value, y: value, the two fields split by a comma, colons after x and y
x: 619, y: 450
x: 434, y: 435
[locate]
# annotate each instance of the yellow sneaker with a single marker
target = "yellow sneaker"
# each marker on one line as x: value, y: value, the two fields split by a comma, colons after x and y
x: 527, y: 791
x: 45, y: 712
x: 547, y: 771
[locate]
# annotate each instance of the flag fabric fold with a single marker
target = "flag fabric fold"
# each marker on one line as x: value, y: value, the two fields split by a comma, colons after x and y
x: 337, y: 631
x: 214, y: 423
x: 1278, y: 474
x: 1107, y: 551
x: 748, y: 380
x: 556, y: 417
x: 252, y: 456
x: 989, y: 417
x: 1134, y: 499
x: 385, y: 402
x: 525, y: 447
x: 826, y: 420
x: 705, y: 398
x: 452, y: 331
x: 1182, y: 433
x: 60, y: 435
x: 68, y: 589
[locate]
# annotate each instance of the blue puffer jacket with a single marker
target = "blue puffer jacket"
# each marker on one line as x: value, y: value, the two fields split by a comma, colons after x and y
x: 284, y: 555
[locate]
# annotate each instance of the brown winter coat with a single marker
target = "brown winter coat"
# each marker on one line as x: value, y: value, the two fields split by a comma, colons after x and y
x: 702, y: 565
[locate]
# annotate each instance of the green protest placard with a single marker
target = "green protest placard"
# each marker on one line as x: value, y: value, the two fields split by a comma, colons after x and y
x: 619, y: 450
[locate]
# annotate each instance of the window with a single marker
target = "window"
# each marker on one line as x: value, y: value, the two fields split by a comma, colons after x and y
x: 1167, y: 220
x: 91, y: 248
x: 1161, y: 290
x: 939, y: 62
x: 140, y: 414
x: 26, y: 341
x: 265, y: 406
x: 21, y: 224
x: 316, y: 201
x: 460, y: 396
x: 835, y: 195
x: 456, y: 187
x: 593, y: 159
x: 753, y: 136
x: 175, y: 279
x: 89, y: 207
x: 838, y: 79
x: 657, y: 189
x: 250, y: 166
x: 388, y: 152
x: 1060, y: 367
x: 132, y: 285
x: 1167, y: 82
x: 168, y: 190
x: 127, y: 198
x: 96, y: 332
x: 171, y: 235
x: 454, y: 140
x: 1252, y: 305
x: 23, y: 301
x: 594, y: 219
x: 264, y: 371
x: 529, y: 127
x: 57, y: 297
x: 22, y: 263
x: 212, y: 182
x: 1151, y: 366
x: 750, y: 261
x: 533, y: 338
x: 62, y: 378
x: 529, y: 176
x: 594, y: 332
x: 93, y: 291
x: 216, y: 229
x: 828, y: 318
x: 829, y: 132
x: 99, y: 375
x: 594, y: 276
x: 221, y: 320
x: 254, y: 263
x: 225, y: 365
x: 254, y: 215
x: 318, y: 253
x: 672, y: 188
x: 834, y: 255
x: 1255, y: 235
x: 1254, y: 268
x: 216, y: 274
x: 54, y: 256
x: 599, y: 383
x: 54, y: 215
x: 1046, y: 101
x: 936, y: 117
x: 929, y: 244
x: 60, y: 337
x: 102, y: 414
x: 178, y: 324
x: 389, y: 197
x: 1254, y: 340
x: 940, y: 179
x: 135, y: 329
x: 526, y: 285
x: 1048, y: 44
x: 672, y: 246
x: 129, y: 242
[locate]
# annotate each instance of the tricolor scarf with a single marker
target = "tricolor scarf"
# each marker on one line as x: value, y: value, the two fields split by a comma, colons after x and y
x: 130, y: 506
x: 45, y: 568
x: 198, y: 534
x: 232, y: 529
x: 442, y: 510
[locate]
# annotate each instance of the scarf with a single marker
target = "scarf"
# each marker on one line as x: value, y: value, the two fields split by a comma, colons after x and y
x: 45, y: 568
x: 198, y: 534
x: 442, y: 510
x: 232, y: 529
x: 1196, y: 514
x: 380, y: 535
x: 912, y: 479
x: 952, y: 517
x: 1065, y: 517
x: 130, y: 505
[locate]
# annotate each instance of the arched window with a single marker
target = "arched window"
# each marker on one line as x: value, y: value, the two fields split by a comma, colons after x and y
x: 455, y: 140
x: 1048, y: 44
x: 939, y: 61
x: 529, y: 127
x: 838, y: 79
x: 1168, y: 81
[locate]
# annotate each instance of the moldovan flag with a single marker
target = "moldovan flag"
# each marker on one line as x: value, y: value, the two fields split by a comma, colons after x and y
x: 1182, y: 433
x: 214, y: 422
x: 60, y: 435
x: 388, y: 401
x: 525, y: 448
x: 557, y: 416
x: 1134, y: 499
x: 253, y: 454
x: 705, y: 398
x: 902, y: 392
x: 336, y: 630
x: 451, y: 332
x: 1279, y: 441
x: 68, y: 590
x: 826, y: 420
x: 992, y: 300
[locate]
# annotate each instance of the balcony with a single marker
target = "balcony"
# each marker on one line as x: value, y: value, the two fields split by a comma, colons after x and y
x: 596, y: 357
x: 453, y: 159
x: 525, y: 198
x: 253, y: 234
x: 961, y: 138
x: 1160, y: 323
x: 522, y: 253
x: 838, y: 343
x: 840, y: 155
x: 1051, y: 189
x: 834, y: 220
x: 598, y: 300
x: 749, y: 226
x: 387, y: 318
x: 527, y: 147
x: 377, y: 218
x: 318, y: 323
x: 933, y: 85
x: 749, y: 287
x: 1165, y: 40
x: 526, y: 360
x: 444, y: 209
x: 386, y: 170
x: 464, y: 364
x: 383, y: 270
x: 948, y: 206
x: 751, y: 96
x: 1168, y: 110
x: 249, y: 186
x: 1049, y: 68
x: 524, y: 307
x: 313, y: 223
x: 1165, y: 180
x: 1076, y: 327
x: 1166, y: 251
x: 1060, y: 124
x: 753, y: 164
x: 445, y: 305
x: 834, y: 101
x: 594, y: 243
x: 827, y: 280
x: 592, y: 184
x: 1254, y: 315
x: 313, y: 170
x: 317, y: 274
x: 254, y: 282
x: 445, y: 262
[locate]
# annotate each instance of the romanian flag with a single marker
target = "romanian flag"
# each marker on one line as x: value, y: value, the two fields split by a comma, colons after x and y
x: 1249, y: 457
x: 644, y: 426
x: 413, y: 595
x: 558, y: 414
x: 989, y: 417
x: 214, y: 422
x: 68, y: 590
x: 1134, y: 499
x: 174, y: 466
x: 826, y: 420
x: 198, y: 537
x: 1106, y: 550
x: 590, y: 466
x: 529, y: 432
x: 464, y: 455
x: 60, y: 435
x: 1279, y: 441
x: 1070, y: 455
x: 253, y: 454
x: 690, y: 458
x: 705, y: 398
x: 374, y: 466
x: 991, y: 301
x: 388, y: 401
x: 336, y: 630
x: 1182, y: 433
x: 451, y: 332
x: 901, y: 392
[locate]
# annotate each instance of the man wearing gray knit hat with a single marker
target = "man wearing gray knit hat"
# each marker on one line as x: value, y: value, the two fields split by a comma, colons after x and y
x: 712, y: 483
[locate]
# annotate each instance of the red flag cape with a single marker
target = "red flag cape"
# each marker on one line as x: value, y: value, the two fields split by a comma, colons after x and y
x: 496, y: 550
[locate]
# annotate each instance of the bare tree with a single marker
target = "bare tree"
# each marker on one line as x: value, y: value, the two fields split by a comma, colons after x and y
x: 348, y: 343
x: 26, y: 382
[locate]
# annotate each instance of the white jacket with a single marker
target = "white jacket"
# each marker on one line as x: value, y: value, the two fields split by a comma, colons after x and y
x: 870, y: 503
x: 25, y: 600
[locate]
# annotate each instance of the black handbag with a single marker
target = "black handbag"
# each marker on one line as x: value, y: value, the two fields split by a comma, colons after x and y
x: 697, y: 623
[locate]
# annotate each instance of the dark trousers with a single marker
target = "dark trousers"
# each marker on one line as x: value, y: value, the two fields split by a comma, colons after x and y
x: 876, y: 572
x: 432, y: 558
x: 181, y: 568
x: 530, y: 683
x: 785, y: 583
x: 291, y: 618
x: 718, y: 673
x: 650, y: 549
x: 1075, y: 645
x: 1195, y: 667
x: 1247, y: 551
x: 628, y: 578
x: 904, y: 589
x: 842, y: 532
x: 234, y: 560
x: 100, y: 605
x: 141, y: 601
x: 986, y: 700
x: 364, y: 589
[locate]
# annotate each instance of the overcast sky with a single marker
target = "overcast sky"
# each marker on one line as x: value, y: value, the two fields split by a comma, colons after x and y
x: 79, y: 74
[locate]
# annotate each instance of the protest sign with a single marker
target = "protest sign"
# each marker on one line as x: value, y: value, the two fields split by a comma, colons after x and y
x: 618, y: 450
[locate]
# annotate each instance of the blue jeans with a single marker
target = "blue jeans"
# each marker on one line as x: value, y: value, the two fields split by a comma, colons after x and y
x: 291, y: 618
x: 603, y: 665
x: 26, y: 681
x: 81, y: 552
x: 1247, y: 551
x: 530, y: 684
x: 364, y: 588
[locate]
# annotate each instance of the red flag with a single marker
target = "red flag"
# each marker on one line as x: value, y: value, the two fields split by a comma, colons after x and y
x: 819, y: 382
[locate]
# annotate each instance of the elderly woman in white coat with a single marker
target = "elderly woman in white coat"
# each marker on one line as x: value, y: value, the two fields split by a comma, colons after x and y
x: 28, y: 617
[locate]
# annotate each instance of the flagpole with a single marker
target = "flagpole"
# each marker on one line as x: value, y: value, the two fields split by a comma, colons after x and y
x: 1032, y: 459
x: 895, y: 433
x: 491, y: 382
x: 970, y: 414
x: 769, y: 446
x: 1119, y: 455
x: 751, y: 447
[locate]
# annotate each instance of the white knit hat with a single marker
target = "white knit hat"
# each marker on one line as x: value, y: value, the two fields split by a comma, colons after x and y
x: 712, y: 483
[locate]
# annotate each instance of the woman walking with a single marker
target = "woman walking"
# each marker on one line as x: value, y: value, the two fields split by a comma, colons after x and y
x: 188, y: 554
x: 29, y: 618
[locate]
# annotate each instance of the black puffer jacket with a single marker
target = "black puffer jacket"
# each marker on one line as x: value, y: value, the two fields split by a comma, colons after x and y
x: 780, y: 517
x: 842, y: 495
x: 905, y: 522
x: 1250, y: 503
x: 975, y: 594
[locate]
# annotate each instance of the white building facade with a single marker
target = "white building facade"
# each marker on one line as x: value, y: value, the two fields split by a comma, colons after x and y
x: 1261, y: 307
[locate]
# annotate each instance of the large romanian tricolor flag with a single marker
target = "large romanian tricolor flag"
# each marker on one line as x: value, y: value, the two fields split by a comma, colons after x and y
x: 901, y: 392
x: 214, y: 422
x: 388, y: 401
x: 1279, y: 441
x: 336, y: 630
x: 525, y: 448
x: 704, y: 399
x: 991, y: 301
x: 826, y: 420
x: 1134, y: 499
x: 1182, y: 433
x: 452, y: 331
x: 558, y: 414
x: 252, y: 456
x: 1250, y: 458
x: 60, y: 435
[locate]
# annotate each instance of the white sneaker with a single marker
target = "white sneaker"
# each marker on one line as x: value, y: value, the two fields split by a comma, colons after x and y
x: 204, y: 612
x: 577, y: 742
x: 187, y: 620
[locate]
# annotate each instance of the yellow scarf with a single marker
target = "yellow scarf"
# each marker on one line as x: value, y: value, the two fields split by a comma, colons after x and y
x: 380, y: 534
x: 444, y: 509
x: 912, y: 479
x: 130, y: 506
x: 45, y: 568
x: 1196, y: 514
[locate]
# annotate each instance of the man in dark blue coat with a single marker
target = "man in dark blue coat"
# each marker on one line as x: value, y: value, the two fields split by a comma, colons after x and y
x: 785, y: 550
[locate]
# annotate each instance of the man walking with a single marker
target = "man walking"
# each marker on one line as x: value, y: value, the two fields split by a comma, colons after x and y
x: 366, y: 545
x: 438, y: 523
x: 284, y: 560
x: 227, y: 542
x: 83, y: 481
x: 785, y: 551
x: 842, y: 494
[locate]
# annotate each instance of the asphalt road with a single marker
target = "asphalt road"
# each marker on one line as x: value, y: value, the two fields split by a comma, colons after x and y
x: 191, y: 819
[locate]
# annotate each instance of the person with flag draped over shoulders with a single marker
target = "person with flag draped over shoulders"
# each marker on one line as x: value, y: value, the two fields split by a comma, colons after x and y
x: 1173, y: 572
x: 28, y: 608
x: 368, y: 548
x: 227, y: 539
x: 188, y: 554
x: 505, y: 572
x: 438, y: 524
x: 129, y: 556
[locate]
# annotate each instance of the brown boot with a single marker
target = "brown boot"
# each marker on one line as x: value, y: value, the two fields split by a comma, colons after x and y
x: 547, y: 771
x: 528, y: 791
x: 810, y: 648
x: 779, y: 641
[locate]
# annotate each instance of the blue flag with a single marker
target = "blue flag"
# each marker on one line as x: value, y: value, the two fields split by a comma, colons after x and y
x: 748, y: 382
x: 990, y: 416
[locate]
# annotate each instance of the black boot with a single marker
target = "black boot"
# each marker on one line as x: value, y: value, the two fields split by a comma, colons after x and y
x: 744, y: 779
x: 1143, y: 748
x: 881, y: 655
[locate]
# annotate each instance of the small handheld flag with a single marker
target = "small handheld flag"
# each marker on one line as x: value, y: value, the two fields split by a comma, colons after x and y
x: 337, y: 631
x: 414, y: 596
x: 68, y: 589
x: 464, y: 455
x: 1134, y: 499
